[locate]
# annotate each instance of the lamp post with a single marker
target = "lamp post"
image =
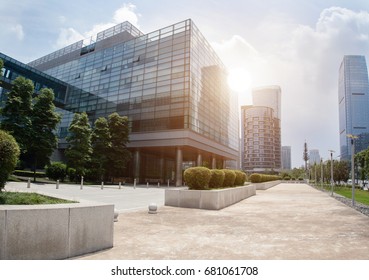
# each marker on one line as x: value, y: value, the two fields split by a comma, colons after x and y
x: 352, y: 137
x: 321, y: 172
x: 332, y: 181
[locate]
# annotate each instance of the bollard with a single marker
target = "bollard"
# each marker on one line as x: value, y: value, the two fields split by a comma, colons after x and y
x: 153, y: 208
x: 147, y: 184
x: 57, y: 184
x: 168, y: 183
x: 120, y: 185
x: 158, y: 184
x: 134, y: 183
x: 29, y: 183
x: 81, y: 182
x: 102, y: 185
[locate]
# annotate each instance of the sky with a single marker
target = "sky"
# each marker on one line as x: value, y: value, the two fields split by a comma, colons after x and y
x: 296, y: 44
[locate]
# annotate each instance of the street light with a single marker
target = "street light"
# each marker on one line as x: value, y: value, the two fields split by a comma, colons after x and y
x: 332, y: 181
x: 352, y: 137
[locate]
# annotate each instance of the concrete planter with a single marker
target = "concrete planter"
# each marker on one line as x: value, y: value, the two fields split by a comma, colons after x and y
x: 207, y: 199
x: 266, y: 185
x: 54, y: 231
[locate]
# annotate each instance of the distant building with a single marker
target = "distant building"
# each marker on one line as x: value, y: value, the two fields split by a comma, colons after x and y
x: 353, y: 93
x: 286, y: 158
x: 314, y: 157
x: 261, y: 131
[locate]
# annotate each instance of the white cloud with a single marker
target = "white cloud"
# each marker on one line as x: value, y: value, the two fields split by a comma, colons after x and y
x: 304, y: 61
x: 70, y: 35
x: 127, y: 12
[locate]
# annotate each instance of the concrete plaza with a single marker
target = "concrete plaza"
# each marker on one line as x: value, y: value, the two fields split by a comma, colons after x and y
x: 288, y: 221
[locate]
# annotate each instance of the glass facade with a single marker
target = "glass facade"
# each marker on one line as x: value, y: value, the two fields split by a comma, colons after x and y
x: 353, y: 94
x: 171, y: 85
x: 286, y: 158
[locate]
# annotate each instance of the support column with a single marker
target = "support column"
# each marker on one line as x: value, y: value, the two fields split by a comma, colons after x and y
x: 199, y: 159
x: 213, y: 162
x: 179, y: 163
x: 161, y: 168
x: 136, y: 167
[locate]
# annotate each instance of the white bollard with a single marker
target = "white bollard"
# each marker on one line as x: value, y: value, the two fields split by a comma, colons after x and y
x: 120, y: 185
x: 81, y: 182
x: 57, y: 184
x: 134, y: 183
x: 29, y: 183
x: 168, y: 183
x: 147, y: 184
x: 158, y: 184
x: 102, y: 185
x: 153, y: 208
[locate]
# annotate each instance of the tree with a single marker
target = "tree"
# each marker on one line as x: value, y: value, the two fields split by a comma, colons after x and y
x: 305, y: 155
x: 44, y: 121
x: 79, y: 139
x: 17, y: 112
x: 101, y: 144
x: 9, y: 153
x: 1, y: 66
x: 119, y: 135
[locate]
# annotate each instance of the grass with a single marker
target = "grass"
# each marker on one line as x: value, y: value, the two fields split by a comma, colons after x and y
x: 346, y: 191
x: 18, y: 198
x: 360, y: 195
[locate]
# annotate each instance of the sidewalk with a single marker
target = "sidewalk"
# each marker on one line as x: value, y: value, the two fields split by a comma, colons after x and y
x: 289, y: 221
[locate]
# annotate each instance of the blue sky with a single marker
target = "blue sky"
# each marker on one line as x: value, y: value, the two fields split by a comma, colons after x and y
x: 297, y: 45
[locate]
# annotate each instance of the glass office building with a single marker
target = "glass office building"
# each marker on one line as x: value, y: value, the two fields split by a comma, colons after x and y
x: 171, y: 85
x: 353, y: 93
x: 286, y: 158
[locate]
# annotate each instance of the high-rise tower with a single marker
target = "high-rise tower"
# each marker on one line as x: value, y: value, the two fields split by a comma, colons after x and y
x: 353, y: 93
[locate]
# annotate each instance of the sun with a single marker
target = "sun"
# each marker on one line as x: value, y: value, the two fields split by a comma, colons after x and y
x: 239, y: 79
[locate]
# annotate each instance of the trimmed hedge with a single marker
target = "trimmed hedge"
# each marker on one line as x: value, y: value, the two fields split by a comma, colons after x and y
x: 25, y: 173
x: 229, y: 178
x: 261, y: 178
x: 197, y: 178
x: 217, y: 178
x: 240, y: 178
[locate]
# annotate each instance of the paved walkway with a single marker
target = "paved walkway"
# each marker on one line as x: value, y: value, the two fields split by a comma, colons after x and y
x: 289, y: 221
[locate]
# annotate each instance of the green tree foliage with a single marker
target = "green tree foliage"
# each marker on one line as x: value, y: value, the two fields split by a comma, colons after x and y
x: 79, y: 150
x: 119, y: 137
x: 9, y: 153
x: 17, y: 112
x: 1, y: 66
x: 44, y: 121
x: 101, y: 146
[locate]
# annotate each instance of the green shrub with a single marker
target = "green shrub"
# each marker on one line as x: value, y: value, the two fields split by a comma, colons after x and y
x: 197, y: 178
x: 229, y: 178
x: 56, y: 171
x: 9, y: 153
x: 240, y: 178
x: 217, y: 178
x: 255, y: 178
x: 287, y: 178
x: 30, y: 174
x: 260, y: 178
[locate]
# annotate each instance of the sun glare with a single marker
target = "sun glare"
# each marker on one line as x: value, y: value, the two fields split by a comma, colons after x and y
x: 239, y: 80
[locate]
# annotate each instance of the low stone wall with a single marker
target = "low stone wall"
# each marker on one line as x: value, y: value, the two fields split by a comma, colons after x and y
x: 266, y: 185
x: 49, y: 232
x: 207, y: 199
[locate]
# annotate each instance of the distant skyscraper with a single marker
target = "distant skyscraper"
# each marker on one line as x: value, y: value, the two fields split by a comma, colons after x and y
x: 353, y: 93
x: 314, y: 157
x: 261, y: 131
x: 286, y: 157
